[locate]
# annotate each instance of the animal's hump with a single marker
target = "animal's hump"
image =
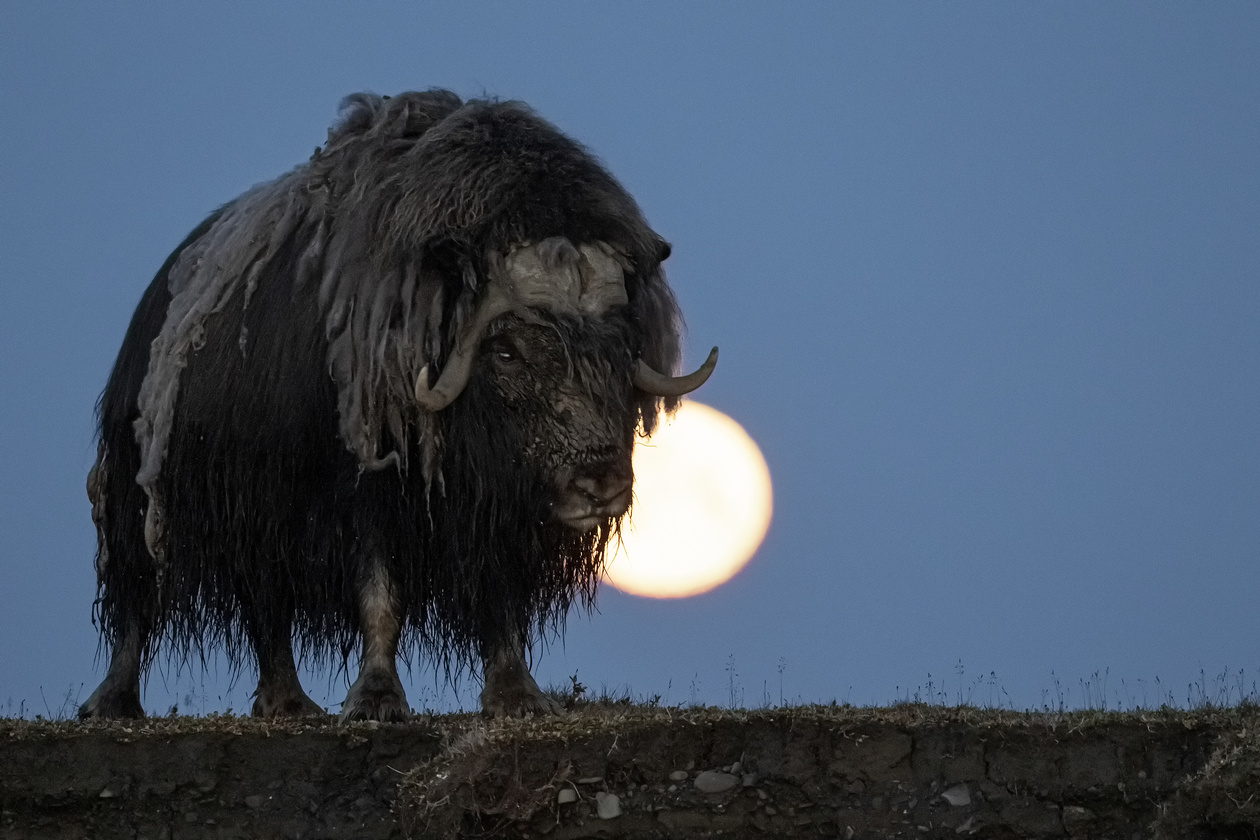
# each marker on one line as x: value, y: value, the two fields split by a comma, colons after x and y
x: 407, y: 115
x: 480, y: 174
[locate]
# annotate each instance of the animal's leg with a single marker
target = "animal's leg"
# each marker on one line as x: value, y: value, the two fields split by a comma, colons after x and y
x: 509, y: 689
x: 378, y: 693
x: 118, y: 695
x: 279, y: 692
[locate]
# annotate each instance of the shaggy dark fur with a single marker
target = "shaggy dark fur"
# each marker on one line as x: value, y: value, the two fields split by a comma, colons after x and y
x: 260, y: 447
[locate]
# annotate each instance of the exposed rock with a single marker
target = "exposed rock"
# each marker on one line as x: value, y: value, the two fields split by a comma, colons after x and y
x: 958, y: 795
x: 607, y: 805
x: 715, y: 781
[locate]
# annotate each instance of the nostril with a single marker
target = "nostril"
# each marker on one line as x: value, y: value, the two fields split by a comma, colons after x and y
x: 602, y: 489
x: 590, y: 488
x: 617, y: 486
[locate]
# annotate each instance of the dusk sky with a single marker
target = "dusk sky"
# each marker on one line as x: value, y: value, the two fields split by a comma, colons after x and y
x: 985, y: 278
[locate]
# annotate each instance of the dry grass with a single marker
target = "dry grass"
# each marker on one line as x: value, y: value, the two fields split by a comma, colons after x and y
x: 620, y: 715
x: 161, y: 727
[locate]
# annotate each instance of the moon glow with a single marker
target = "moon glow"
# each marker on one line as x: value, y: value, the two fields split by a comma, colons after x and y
x: 702, y: 506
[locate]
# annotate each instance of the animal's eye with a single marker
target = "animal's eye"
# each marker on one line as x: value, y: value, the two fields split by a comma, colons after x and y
x: 505, y: 353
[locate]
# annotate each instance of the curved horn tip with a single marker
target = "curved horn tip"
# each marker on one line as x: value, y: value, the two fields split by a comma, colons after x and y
x: 705, y: 370
x: 658, y: 384
x: 430, y: 399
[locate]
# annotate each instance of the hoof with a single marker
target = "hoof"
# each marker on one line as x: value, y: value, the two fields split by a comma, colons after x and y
x: 287, y: 701
x: 517, y: 697
x: 376, y: 695
x: 109, y: 703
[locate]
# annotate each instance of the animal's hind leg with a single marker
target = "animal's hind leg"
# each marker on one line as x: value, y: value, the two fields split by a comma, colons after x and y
x: 279, y: 692
x: 118, y: 695
x: 377, y: 694
x: 509, y: 689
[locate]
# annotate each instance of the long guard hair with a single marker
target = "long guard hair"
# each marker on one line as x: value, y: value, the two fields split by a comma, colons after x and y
x: 259, y: 438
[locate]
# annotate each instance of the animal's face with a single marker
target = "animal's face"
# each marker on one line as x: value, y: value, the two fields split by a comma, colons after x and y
x: 564, y: 386
x: 544, y: 386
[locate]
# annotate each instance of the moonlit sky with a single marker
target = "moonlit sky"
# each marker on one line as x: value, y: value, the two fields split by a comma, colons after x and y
x: 703, y: 503
x: 986, y: 280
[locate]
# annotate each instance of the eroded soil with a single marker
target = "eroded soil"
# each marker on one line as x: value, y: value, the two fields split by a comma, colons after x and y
x: 216, y: 777
x: 636, y: 772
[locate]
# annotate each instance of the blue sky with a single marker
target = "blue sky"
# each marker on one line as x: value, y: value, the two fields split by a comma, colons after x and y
x: 986, y: 280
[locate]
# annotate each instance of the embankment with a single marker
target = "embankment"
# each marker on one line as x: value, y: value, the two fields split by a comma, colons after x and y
x: 638, y: 772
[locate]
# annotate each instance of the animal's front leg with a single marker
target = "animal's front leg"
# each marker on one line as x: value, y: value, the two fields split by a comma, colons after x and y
x: 279, y: 692
x: 509, y: 689
x: 118, y: 695
x: 378, y: 693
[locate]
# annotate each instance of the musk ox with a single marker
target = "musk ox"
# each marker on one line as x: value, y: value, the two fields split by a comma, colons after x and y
x: 388, y: 399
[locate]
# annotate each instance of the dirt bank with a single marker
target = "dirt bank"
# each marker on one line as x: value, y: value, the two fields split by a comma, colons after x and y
x: 216, y: 777
x: 635, y: 772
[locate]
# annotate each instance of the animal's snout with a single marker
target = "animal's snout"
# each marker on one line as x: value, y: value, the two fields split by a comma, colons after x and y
x: 602, y: 489
x: 593, y: 495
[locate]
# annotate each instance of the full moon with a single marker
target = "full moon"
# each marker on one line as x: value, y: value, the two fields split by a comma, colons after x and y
x: 702, y: 504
